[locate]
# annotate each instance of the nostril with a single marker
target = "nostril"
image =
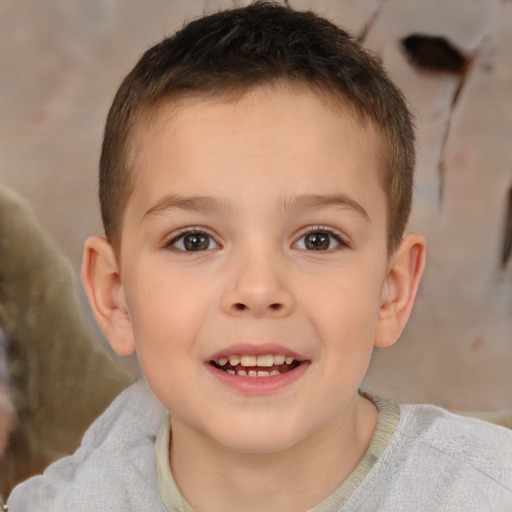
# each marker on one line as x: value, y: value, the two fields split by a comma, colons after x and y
x: 239, y: 306
x: 275, y: 306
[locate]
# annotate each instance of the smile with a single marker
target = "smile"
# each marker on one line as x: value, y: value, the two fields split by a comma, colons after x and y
x: 266, y: 365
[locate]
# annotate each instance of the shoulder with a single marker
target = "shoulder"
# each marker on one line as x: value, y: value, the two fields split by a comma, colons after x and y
x: 458, y: 460
x: 114, y: 468
x: 436, y: 460
x: 469, y: 440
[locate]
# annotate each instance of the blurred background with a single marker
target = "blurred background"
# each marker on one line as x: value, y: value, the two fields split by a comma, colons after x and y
x: 61, y: 62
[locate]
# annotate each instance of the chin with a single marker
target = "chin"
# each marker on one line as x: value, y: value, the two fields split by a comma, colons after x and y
x: 258, y: 446
x: 257, y: 438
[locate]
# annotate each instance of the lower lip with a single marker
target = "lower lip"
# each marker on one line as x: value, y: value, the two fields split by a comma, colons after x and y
x: 259, y: 385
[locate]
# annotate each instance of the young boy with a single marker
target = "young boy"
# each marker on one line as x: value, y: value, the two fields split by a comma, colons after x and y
x: 255, y: 183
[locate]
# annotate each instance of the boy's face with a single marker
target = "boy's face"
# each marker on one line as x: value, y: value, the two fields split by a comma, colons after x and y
x: 256, y: 228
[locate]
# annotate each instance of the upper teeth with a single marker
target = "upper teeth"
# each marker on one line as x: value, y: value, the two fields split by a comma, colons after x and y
x: 266, y: 360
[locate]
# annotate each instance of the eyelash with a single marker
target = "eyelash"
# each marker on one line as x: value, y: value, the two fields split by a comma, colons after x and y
x: 184, y: 232
x: 311, y: 230
x: 333, y: 234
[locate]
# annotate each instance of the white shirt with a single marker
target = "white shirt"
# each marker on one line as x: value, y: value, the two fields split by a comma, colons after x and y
x: 428, y: 460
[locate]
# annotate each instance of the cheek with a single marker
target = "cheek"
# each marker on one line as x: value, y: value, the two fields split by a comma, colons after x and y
x: 346, y: 310
x: 164, y: 330
x: 166, y: 312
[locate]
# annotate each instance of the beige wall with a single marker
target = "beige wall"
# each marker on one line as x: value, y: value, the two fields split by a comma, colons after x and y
x: 61, y: 61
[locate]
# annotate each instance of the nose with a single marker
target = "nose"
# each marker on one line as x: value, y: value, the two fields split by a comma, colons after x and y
x: 258, y: 286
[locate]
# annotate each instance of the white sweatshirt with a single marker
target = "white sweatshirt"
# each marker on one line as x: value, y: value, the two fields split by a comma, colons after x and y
x: 423, y: 460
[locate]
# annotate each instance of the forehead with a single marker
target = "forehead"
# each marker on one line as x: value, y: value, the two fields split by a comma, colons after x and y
x: 291, y: 138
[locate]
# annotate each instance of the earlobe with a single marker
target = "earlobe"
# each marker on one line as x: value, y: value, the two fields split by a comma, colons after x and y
x: 102, y: 283
x: 400, y: 288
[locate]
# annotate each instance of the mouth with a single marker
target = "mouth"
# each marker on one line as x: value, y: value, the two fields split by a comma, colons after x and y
x: 263, y: 366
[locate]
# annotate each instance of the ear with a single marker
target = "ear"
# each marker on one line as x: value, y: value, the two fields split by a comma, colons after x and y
x: 102, y: 283
x: 399, y: 291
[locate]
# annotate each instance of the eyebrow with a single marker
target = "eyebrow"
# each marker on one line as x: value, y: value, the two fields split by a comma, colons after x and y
x: 306, y: 202
x: 207, y: 204
x: 204, y: 204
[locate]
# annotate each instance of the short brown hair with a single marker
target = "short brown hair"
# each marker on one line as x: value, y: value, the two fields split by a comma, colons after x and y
x: 235, y: 50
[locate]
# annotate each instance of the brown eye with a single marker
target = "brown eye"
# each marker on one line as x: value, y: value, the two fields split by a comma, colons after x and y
x: 192, y: 242
x: 196, y: 242
x: 317, y: 241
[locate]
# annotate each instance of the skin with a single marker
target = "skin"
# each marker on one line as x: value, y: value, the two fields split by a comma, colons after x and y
x: 272, y: 170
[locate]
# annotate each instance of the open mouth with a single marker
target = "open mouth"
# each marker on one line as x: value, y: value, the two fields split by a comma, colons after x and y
x: 267, y: 365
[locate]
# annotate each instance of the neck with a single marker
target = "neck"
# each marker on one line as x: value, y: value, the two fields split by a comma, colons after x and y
x: 211, y: 477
